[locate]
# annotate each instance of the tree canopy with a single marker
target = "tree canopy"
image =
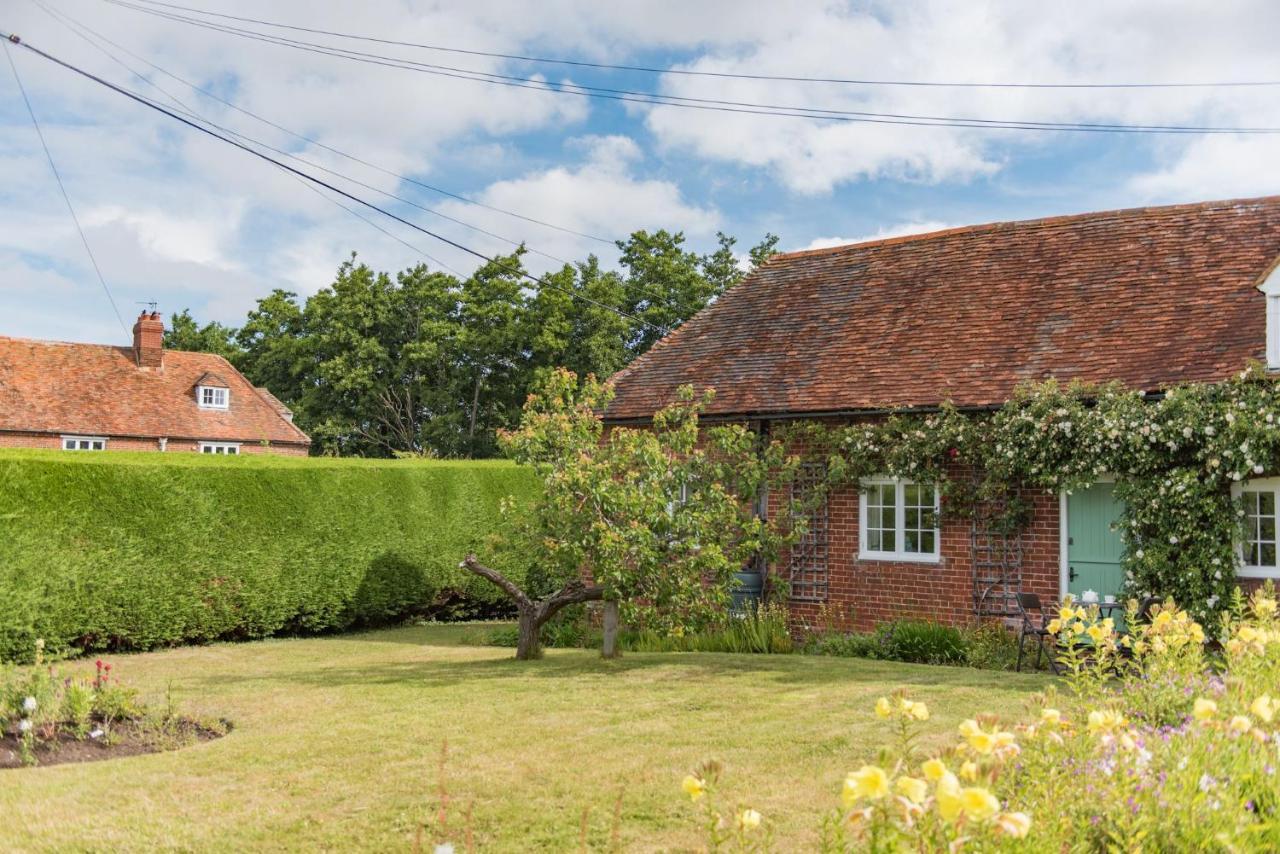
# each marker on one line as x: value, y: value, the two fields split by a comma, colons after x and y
x: 426, y: 363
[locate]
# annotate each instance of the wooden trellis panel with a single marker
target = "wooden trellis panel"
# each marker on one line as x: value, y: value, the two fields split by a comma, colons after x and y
x: 807, y: 568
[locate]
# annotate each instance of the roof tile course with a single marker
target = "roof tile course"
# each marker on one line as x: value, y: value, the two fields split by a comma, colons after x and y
x: 1151, y: 297
x: 98, y: 390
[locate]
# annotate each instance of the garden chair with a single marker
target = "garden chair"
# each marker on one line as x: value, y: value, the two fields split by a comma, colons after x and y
x: 1033, y: 626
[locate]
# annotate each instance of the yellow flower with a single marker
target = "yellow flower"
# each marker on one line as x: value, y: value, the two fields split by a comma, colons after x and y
x: 1004, y: 738
x: 748, y: 819
x: 913, y: 789
x: 1204, y: 709
x: 979, y: 803
x: 1096, y: 633
x: 867, y: 782
x: 1264, y: 606
x: 1066, y: 614
x: 948, y: 795
x: 1054, y: 626
x: 1240, y: 724
x: 1105, y: 720
x: 1051, y: 717
x: 968, y: 727
x: 934, y: 769
x: 883, y: 708
x: 969, y: 771
x: 694, y: 787
x: 1248, y: 634
x: 982, y: 742
x: 914, y: 709
x: 1015, y: 824
x: 1264, y: 708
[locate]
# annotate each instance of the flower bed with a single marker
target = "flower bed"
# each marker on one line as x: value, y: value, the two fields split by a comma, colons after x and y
x: 1151, y: 744
x: 47, y: 718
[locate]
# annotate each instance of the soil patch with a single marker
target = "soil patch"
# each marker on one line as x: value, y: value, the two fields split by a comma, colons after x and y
x: 128, y: 738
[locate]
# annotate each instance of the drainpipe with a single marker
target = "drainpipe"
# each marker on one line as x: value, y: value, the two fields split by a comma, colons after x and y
x: 163, y: 441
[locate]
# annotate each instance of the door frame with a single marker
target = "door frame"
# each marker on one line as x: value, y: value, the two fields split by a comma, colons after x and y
x: 1064, y: 561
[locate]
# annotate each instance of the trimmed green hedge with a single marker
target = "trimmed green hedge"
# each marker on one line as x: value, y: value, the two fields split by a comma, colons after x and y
x: 132, y: 551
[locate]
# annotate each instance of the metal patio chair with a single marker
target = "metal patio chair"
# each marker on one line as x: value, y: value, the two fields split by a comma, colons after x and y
x: 1033, y: 626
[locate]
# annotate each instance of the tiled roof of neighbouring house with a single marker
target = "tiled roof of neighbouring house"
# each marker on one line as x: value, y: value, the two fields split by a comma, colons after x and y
x: 99, y: 390
x: 1151, y: 297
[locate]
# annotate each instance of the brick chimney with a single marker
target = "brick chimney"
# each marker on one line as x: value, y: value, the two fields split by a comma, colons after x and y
x: 148, y: 340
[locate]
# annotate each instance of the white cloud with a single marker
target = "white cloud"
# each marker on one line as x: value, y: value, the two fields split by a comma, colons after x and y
x: 947, y: 40
x: 601, y: 196
x: 189, y: 221
x: 898, y: 230
x: 1214, y: 167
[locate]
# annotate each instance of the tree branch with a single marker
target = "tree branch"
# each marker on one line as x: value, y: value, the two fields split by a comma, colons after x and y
x: 497, y: 578
x: 572, y: 593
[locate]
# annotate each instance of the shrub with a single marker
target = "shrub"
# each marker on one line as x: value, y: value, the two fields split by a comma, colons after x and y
x: 991, y: 646
x: 133, y: 551
x: 924, y: 642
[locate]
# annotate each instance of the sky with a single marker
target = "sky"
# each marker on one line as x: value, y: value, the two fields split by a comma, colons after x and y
x: 193, y: 223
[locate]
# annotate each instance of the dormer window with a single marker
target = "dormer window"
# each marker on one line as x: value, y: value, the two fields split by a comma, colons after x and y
x: 213, y: 397
x: 1270, y: 287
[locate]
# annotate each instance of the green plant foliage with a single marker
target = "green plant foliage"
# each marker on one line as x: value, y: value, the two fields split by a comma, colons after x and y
x: 924, y: 642
x: 134, y: 551
x: 1174, y: 457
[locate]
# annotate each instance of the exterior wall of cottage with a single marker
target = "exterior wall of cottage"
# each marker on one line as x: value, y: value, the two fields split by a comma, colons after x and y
x: 53, y: 441
x: 862, y: 592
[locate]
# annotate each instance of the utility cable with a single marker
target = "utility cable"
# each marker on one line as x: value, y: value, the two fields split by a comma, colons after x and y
x: 317, y: 143
x: 686, y: 72
x: 62, y: 188
x: 709, y: 104
x: 538, y: 280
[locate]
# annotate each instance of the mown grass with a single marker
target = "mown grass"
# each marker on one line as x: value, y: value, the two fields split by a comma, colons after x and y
x: 337, y: 745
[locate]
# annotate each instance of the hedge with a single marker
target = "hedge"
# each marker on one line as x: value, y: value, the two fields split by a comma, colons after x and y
x: 133, y: 551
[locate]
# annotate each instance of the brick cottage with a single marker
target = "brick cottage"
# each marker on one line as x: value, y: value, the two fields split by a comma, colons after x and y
x: 95, y: 397
x: 1150, y: 297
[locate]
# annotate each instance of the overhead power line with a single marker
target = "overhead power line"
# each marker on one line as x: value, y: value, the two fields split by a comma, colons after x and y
x: 147, y: 102
x: 317, y: 143
x: 81, y: 32
x: 685, y: 72
x: 685, y: 102
x: 53, y: 167
x: 363, y: 184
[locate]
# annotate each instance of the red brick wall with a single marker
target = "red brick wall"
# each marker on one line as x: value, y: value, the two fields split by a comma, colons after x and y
x: 864, y: 592
x: 13, y: 439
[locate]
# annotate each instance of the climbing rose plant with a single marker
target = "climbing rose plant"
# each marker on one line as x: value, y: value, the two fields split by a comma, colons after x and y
x: 1175, y: 458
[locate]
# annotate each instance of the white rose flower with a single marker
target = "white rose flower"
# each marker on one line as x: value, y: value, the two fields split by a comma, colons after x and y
x: 24, y: 725
x: 29, y: 705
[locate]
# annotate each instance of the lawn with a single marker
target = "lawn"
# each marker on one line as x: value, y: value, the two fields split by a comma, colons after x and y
x: 337, y: 745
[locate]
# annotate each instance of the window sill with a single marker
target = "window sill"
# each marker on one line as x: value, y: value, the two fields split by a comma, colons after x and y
x: 904, y: 557
x: 1259, y: 572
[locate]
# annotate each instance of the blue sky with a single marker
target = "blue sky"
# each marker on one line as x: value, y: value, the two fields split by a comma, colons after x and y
x: 192, y: 223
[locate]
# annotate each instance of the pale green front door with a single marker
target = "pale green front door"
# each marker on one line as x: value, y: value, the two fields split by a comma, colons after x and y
x: 1093, y: 541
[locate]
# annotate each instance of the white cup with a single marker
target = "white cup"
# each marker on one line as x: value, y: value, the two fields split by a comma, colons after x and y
x: 1109, y: 599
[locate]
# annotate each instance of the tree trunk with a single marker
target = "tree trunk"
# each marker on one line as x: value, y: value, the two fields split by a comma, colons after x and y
x: 529, y: 645
x: 471, y: 427
x: 534, y: 614
x: 609, y: 649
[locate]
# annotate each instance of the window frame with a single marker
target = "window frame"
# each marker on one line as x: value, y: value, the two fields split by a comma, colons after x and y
x: 1260, y: 484
x: 900, y: 517
x: 215, y: 389
x: 229, y: 449
x: 101, y: 440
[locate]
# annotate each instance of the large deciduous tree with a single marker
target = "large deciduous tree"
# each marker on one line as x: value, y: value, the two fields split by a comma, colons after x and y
x: 656, y: 520
x: 428, y: 363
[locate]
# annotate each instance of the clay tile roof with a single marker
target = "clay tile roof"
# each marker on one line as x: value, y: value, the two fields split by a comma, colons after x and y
x: 275, y: 402
x: 98, y: 390
x: 1151, y: 297
x: 212, y: 380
